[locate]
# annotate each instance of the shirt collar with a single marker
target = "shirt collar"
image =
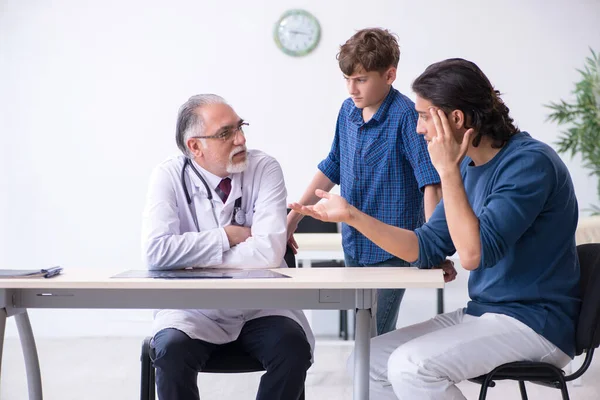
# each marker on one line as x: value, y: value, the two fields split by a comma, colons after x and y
x: 211, y: 179
x: 356, y: 113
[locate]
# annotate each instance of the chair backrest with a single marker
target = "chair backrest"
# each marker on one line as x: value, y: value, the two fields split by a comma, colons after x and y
x: 289, y: 257
x: 588, y: 327
x: 312, y: 225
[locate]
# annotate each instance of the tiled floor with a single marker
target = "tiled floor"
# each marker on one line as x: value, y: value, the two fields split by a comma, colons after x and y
x: 96, y: 368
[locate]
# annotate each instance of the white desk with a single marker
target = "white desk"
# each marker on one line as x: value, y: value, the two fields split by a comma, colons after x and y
x: 322, y: 288
x: 328, y: 246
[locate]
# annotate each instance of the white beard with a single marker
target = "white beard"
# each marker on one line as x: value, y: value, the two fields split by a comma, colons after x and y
x: 237, y: 167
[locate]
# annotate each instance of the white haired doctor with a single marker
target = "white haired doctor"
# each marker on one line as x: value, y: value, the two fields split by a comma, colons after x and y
x: 220, y: 205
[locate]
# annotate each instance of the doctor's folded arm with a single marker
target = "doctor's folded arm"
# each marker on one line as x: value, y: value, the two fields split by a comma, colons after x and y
x: 220, y: 205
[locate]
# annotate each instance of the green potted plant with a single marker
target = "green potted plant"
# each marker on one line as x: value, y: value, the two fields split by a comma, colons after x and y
x: 582, y: 117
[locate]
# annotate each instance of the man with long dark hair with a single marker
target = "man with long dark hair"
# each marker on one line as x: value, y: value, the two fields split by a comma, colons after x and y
x: 509, y: 212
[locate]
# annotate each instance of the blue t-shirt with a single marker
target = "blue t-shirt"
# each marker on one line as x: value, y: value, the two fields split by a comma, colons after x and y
x: 381, y: 167
x: 527, y: 210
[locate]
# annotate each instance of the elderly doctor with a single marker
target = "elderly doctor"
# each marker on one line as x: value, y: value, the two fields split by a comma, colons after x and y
x: 221, y: 205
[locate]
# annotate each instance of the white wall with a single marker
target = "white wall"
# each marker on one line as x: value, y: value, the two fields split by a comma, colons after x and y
x: 89, y: 92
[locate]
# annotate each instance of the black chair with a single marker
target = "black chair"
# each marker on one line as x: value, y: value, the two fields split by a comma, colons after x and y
x: 312, y: 225
x: 228, y: 358
x: 587, y: 336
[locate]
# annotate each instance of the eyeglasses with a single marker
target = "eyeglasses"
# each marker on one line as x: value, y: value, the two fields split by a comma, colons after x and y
x: 226, y: 134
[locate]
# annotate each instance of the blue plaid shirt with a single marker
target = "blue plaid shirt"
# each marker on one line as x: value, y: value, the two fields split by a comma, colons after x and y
x: 382, y: 167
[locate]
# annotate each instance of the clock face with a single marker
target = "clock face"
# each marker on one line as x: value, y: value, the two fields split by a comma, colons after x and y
x: 297, y: 33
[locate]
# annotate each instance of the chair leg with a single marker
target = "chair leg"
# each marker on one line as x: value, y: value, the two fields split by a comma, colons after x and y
x: 346, y: 331
x: 482, y: 392
x: 440, y: 301
x: 353, y: 324
x: 484, y: 388
x: 488, y: 382
x: 565, y: 392
x: 152, y: 384
x: 563, y: 387
x: 146, y: 370
x: 523, y: 390
x: 341, y: 325
x: 344, y: 324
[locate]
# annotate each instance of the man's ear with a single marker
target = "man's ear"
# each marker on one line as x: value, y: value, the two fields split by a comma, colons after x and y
x: 195, y: 147
x: 457, y: 119
x: 390, y: 75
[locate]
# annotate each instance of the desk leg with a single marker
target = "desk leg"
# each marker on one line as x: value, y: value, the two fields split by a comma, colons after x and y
x: 306, y: 263
x: 2, y: 328
x: 32, y: 363
x: 362, y: 349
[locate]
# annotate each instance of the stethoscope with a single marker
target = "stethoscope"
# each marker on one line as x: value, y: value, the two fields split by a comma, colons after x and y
x: 238, y: 217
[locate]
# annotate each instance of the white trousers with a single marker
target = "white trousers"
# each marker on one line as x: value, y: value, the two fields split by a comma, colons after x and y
x: 426, y: 360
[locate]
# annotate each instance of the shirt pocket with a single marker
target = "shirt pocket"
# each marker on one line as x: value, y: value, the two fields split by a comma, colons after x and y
x: 375, y: 154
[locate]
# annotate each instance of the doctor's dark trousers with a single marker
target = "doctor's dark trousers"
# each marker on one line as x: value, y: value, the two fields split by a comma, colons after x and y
x: 278, y: 342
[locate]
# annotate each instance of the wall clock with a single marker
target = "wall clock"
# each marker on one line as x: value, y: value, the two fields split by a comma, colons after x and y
x: 297, y: 33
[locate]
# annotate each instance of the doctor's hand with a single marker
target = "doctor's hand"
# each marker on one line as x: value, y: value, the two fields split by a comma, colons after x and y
x: 334, y: 209
x: 445, y: 152
x: 237, y: 234
x: 449, y: 272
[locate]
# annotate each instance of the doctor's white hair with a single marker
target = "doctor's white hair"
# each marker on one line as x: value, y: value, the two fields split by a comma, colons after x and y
x: 189, y: 123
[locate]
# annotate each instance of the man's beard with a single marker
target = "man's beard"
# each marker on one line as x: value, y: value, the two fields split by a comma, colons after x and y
x: 234, y: 168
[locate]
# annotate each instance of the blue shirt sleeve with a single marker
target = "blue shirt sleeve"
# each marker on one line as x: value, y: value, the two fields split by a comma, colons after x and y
x: 516, y: 200
x: 415, y: 149
x: 330, y: 166
x: 435, y: 243
x: 518, y: 196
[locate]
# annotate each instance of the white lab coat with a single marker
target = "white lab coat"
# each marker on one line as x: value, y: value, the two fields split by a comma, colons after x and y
x: 170, y: 239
